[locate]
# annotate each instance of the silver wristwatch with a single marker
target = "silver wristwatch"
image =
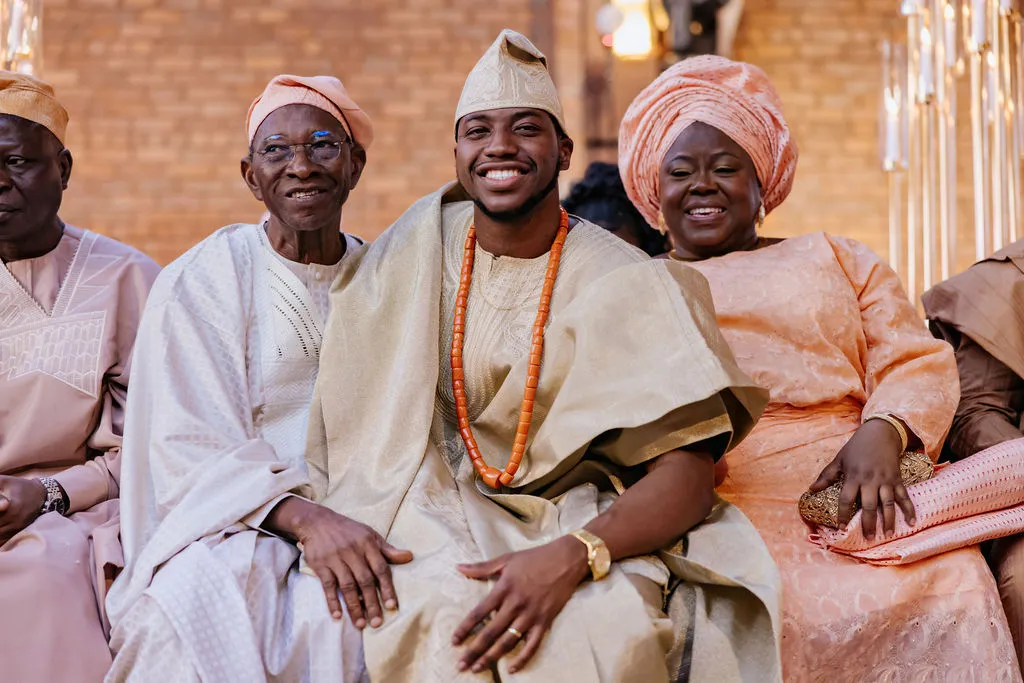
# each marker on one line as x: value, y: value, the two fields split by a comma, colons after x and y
x: 55, y: 501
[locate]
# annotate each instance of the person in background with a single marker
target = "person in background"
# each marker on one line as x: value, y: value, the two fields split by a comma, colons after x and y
x: 855, y: 381
x: 980, y: 312
x: 600, y: 198
x: 70, y: 303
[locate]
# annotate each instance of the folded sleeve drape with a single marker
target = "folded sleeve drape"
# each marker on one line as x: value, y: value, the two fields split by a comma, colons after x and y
x: 903, y: 363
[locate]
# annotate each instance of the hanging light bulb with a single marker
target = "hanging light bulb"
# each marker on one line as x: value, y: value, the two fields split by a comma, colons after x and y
x: 634, y: 38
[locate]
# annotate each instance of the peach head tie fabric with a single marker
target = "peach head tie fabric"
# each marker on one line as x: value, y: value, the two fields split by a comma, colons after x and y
x: 736, y: 98
x: 323, y: 92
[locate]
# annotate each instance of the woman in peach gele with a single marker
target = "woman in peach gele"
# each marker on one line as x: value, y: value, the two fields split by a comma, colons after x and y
x: 824, y: 324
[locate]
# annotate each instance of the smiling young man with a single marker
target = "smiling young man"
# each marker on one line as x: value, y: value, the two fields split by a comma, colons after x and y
x: 535, y: 415
x: 70, y: 302
x: 215, y: 493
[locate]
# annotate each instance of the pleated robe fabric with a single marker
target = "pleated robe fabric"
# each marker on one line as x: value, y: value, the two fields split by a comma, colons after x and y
x: 622, y: 332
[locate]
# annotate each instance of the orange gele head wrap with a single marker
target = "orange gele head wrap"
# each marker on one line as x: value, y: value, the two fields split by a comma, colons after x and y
x: 323, y: 92
x: 734, y: 97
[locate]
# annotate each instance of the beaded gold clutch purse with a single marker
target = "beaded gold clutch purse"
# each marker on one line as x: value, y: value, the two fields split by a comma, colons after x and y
x: 823, y: 507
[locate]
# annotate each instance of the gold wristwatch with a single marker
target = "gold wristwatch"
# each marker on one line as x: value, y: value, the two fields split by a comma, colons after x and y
x: 598, y: 557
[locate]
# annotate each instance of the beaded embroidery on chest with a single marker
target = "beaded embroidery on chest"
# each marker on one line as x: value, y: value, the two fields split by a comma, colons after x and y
x: 294, y: 312
x: 497, y: 330
x: 299, y: 311
x: 18, y: 306
x: 287, y: 334
x: 503, y: 304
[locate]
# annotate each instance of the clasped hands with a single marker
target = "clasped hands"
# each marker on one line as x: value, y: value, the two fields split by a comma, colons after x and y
x: 531, y: 587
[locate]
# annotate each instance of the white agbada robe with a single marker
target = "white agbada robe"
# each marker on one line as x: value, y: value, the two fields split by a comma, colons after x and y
x: 215, y: 437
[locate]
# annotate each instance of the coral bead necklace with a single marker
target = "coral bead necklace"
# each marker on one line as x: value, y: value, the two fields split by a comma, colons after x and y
x: 494, y: 477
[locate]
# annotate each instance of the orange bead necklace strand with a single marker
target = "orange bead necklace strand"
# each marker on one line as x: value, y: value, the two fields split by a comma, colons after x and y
x: 493, y: 477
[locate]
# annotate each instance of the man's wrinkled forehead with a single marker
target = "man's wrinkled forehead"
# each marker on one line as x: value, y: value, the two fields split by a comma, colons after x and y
x: 301, y: 120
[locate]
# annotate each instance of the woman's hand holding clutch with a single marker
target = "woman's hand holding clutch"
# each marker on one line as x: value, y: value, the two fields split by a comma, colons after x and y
x: 869, y: 466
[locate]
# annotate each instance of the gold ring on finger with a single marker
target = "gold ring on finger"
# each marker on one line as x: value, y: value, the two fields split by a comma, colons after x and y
x: 514, y: 631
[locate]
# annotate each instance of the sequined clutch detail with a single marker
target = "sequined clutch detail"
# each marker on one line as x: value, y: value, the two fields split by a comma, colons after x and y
x: 823, y: 507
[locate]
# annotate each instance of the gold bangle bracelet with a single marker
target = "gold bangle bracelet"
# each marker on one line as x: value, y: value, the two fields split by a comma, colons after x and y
x: 896, y: 424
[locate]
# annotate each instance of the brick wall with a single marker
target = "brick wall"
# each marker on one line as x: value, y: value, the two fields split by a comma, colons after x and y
x: 824, y: 58
x: 158, y: 91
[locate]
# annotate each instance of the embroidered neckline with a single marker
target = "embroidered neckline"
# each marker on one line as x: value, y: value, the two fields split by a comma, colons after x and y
x: 65, y: 290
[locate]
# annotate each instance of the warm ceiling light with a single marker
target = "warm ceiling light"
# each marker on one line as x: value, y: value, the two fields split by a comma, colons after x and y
x: 634, y: 38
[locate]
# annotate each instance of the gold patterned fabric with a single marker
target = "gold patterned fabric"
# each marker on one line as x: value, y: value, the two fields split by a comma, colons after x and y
x: 512, y: 73
x: 385, y: 450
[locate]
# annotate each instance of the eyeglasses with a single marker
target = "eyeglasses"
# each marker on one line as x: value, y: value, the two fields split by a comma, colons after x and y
x: 319, y: 152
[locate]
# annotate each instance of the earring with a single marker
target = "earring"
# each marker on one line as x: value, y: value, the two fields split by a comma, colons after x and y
x: 662, y: 225
x: 761, y: 216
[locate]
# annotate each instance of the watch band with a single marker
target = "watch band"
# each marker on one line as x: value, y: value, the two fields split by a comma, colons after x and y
x: 598, y: 557
x: 55, y: 499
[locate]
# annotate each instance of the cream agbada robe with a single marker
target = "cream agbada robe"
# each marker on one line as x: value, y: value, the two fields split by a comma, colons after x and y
x: 633, y: 366
x: 214, y: 438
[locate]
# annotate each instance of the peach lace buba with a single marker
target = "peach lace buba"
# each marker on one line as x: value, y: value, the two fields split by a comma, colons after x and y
x: 855, y: 346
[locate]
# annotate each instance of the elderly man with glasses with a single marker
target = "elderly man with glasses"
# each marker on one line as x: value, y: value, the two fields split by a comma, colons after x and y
x: 215, y: 487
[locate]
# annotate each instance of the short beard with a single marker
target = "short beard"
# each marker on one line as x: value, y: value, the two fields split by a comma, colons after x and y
x: 524, y: 209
